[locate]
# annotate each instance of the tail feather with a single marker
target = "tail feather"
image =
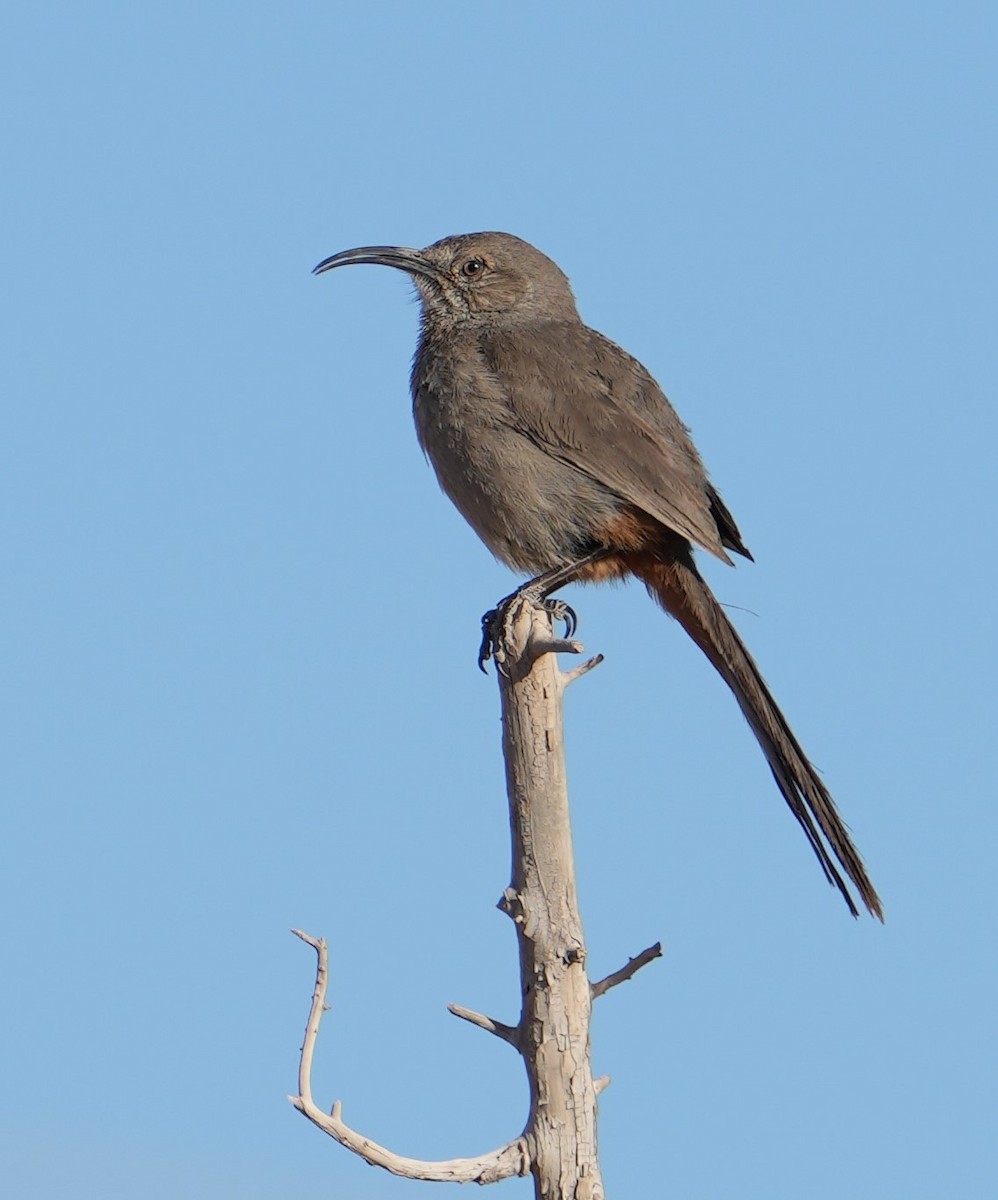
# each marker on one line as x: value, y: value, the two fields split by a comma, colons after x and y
x: 677, y: 585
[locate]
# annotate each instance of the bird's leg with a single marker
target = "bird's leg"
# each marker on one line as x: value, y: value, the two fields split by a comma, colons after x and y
x: 536, y: 591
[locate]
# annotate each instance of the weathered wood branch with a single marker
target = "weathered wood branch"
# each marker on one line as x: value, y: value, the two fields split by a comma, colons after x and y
x: 543, y: 903
x: 508, y: 1033
x: 627, y: 971
x: 558, y: 1144
x: 508, y: 1160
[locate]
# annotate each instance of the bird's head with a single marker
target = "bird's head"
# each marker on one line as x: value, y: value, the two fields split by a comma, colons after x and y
x: 475, y: 276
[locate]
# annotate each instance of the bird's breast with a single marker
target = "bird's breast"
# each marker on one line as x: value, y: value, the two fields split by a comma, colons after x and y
x: 530, y: 509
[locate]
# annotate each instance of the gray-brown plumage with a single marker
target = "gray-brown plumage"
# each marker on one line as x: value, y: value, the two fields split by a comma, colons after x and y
x: 557, y: 446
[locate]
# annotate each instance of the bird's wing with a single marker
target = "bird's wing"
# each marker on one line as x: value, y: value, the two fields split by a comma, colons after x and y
x: 591, y: 405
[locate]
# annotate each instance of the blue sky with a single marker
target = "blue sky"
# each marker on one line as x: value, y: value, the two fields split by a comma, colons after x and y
x: 240, y: 620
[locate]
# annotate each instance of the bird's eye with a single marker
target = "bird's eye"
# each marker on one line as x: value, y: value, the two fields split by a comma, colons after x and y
x: 473, y: 267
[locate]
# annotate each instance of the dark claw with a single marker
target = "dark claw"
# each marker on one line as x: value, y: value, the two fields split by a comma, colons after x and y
x: 489, y: 638
x: 561, y: 611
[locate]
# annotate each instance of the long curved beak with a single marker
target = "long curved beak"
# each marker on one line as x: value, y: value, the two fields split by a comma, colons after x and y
x: 401, y: 257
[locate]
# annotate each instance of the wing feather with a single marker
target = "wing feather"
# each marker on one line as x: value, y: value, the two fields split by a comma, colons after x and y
x: 591, y: 405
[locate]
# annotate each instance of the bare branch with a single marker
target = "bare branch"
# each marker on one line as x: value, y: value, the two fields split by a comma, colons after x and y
x: 508, y: 1033
x: 558, y: 1146
x: 553, y: 645
x: 582, y: 669
x: 511, y: 1159
x: 626, y: 972
x: 542, y: 900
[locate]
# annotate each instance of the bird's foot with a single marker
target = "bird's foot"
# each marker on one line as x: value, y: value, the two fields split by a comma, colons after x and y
x: 496, y: 622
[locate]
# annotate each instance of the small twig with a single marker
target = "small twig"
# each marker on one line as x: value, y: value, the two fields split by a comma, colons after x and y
x: 315, y: 1013
x: 626, y: 972
x: 582, y: 669
x: 553, y: 645
x: 508, y: 1033
x: 506, y: 1161
x: 602, y: 1083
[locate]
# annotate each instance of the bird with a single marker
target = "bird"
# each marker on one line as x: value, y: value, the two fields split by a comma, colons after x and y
x: 565, y: 456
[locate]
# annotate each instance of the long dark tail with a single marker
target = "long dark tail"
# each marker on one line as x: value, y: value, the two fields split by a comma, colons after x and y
x: 679, y: 588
